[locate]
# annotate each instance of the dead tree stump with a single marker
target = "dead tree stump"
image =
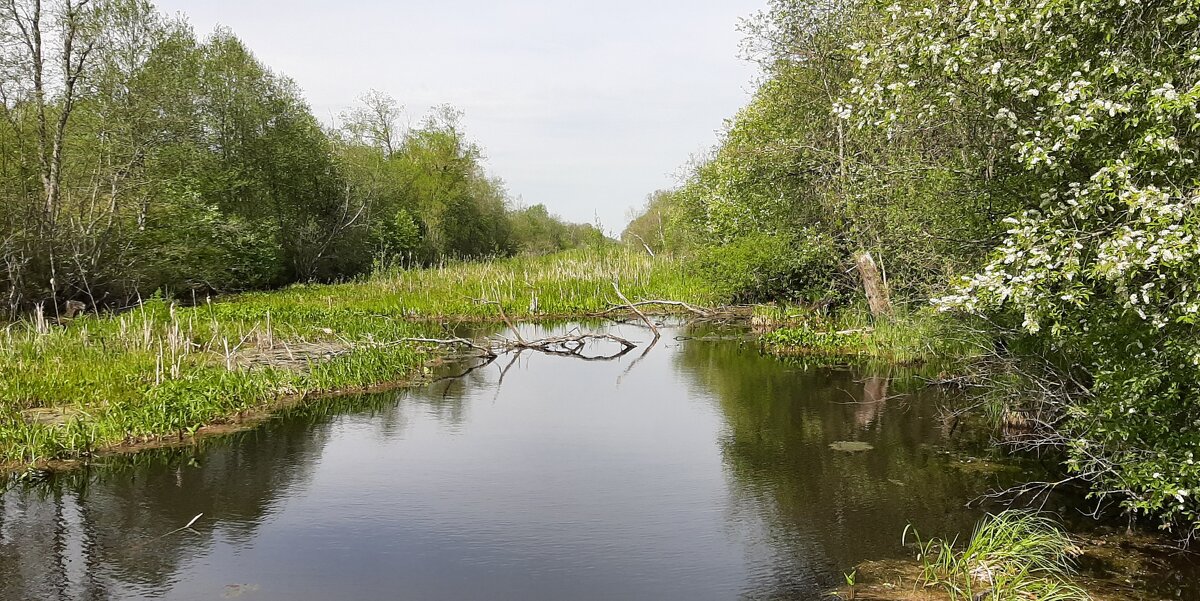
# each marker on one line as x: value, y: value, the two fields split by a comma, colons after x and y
x: 878, y: 298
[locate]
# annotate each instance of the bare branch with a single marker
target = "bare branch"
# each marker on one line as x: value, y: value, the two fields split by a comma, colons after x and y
x: 634, y: 308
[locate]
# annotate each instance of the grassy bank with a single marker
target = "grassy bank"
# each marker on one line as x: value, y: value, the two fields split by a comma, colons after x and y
x: 1020, y: 554
x: 163, y: 371
x: 916, y: 337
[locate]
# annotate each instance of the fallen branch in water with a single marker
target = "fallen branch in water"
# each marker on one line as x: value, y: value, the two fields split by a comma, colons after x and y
x: 486, y: 361
x: 699, y: 312
x: 573, y: 345
x: 487, y: 351
x: 500, y: 308
x: 634, y: 308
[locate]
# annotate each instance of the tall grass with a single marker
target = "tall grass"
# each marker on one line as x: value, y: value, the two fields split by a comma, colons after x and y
x: 1014, y: 554
x: 564, y: 284
x: 919, y: 336
x: 162, y: 370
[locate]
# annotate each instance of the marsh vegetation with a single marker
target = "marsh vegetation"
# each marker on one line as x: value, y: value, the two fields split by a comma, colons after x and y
x: 167, y: 370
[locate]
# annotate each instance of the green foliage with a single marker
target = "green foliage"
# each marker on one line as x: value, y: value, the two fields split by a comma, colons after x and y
x: 535, y: 231
x: 400, y: 236
x: 655, y: 228
x: 1011, y: 555
x: 186, y: 165
x: 923, y: 337
x: 757, y: 268
x: 788, y: 166
x: 1095, y: 103
x: 1048, y: 150
x: 812, y: 340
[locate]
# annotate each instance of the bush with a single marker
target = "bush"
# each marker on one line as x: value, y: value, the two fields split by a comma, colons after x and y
x: 809, y: 339
x: 765, y: 267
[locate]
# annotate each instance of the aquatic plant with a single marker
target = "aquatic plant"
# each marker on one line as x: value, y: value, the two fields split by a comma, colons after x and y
x: 1014, y: 554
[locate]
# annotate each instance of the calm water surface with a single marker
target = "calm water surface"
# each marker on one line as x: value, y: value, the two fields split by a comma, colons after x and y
x: 699, y: 471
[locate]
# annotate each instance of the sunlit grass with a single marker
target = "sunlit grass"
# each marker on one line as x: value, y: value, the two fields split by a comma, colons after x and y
x: 921, y: 336
x: 1011, y: 555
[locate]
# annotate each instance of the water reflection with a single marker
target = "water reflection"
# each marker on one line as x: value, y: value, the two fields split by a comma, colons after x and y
x: 821, y: 510
x: 703, y: 471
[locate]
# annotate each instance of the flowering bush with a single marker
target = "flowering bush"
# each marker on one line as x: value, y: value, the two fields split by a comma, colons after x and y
x: 1097, y: 106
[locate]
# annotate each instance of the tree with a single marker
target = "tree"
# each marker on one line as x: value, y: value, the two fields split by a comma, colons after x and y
x: 648, y: 229
x: 45, y: 60
x: 374, y: 122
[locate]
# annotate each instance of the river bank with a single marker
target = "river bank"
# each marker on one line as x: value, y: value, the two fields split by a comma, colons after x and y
x: 1110, y: 565
x: 162, y: 371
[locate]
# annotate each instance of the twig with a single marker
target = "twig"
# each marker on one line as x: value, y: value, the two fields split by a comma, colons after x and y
x: 185, y: 527
x: 573, y: 345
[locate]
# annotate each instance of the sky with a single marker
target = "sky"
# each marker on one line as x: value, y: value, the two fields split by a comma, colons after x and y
x: 585, y: 107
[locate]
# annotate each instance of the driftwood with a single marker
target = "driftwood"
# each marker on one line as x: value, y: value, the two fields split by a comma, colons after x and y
x: 573, y: 345
x: 569, y: 345
x: 659, y: 303
x: 639, y: 313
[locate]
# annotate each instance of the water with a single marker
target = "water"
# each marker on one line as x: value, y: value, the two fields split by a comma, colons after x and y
x: 700, y: 470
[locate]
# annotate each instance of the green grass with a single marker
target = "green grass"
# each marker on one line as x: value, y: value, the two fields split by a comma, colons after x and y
x: 917, y: 337
x: 165, y: 371
x: 1011, y: 555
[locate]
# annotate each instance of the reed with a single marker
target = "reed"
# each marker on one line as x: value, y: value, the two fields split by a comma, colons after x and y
x: 1014, y: 554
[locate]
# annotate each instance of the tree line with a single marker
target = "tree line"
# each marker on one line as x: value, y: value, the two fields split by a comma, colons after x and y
x: 1030, y: 165
x: 138, y: 158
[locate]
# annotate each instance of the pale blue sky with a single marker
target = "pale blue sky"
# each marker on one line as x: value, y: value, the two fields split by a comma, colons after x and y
x: 583, y: 106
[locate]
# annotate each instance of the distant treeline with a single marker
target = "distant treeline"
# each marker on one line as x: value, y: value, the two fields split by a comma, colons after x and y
x: 135, y: 157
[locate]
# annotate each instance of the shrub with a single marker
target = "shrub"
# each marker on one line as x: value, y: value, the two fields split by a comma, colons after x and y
x: 765, y: 267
